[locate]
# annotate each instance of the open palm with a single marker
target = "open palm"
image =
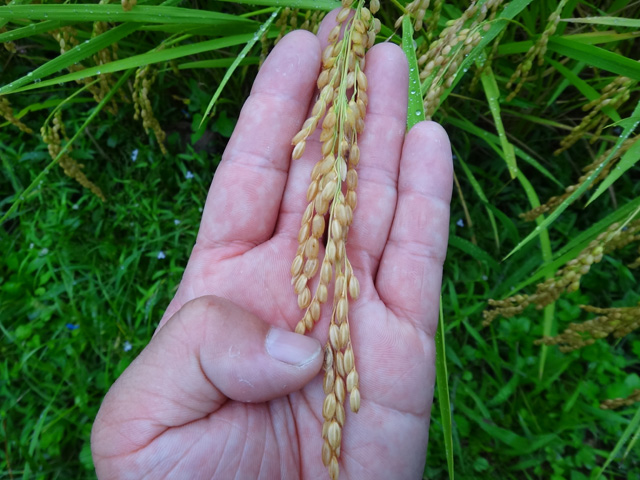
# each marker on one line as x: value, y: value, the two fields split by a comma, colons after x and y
x: 208, y: 397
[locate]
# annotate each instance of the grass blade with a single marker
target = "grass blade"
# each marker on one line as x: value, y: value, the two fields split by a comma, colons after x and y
x: 584, y: 88
x: 496, y: 26
x: 596, y: 56
x: 133, y: 62
x: 472, y: 250
x: 415, y: 109
x: 633, y: 441
x: 75, y: 55
x: 304, y: 4
x: 65, y: 148
x: 30, y: 30
x: 492, y: 140
x: 442, y: 379
x: 114, y: 13
x: 612, y: 21
x: 243, y: 53
x: 493, y: 95
x: 628, y: 160
x: 582, y: 188
x: 633, y: 425
x: 217, y: 63
x: 578, y: 243
x: 480, y: 192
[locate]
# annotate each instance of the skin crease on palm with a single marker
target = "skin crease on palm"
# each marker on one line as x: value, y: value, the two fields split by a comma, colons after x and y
x: 205, y: 399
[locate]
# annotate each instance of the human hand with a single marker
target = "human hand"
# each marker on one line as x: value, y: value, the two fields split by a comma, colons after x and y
x: 225, y: 389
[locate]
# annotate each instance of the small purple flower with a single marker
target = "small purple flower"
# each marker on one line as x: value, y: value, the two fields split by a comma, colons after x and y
x: 126, y: 346
x: 460, y: 222
x: 188, y: 175
x: 71, y: 326
x: 161, y: 255
x: 134, y: 155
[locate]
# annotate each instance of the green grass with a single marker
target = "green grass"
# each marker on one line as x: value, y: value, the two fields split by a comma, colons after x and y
x: 84, y: 283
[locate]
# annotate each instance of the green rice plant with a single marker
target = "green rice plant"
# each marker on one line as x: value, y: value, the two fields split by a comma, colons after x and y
x: 83, y: 282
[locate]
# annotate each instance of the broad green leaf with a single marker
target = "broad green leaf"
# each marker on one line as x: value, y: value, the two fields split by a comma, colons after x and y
x: 114, y: 13
x: 633, y: 425
x: 582, y: 188
x: 612, y: 21
x: 596, y: 56
x: 304, y: 4
x: 243, y: 53
x: 415, y: 108
x: 492, y: 93
x: 75, y: 55
x: 442, y: 379
x: 137, y: 60
x: 628, y: 160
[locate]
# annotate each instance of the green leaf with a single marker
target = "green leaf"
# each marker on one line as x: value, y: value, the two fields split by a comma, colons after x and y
x: 628, y: 160
x: 30, y: 30
x: 584, y: 88
x: 633, y: 441
x: 304, y: 4
x: 633, y: 425
x: 612, y: 21
x: 132, y: 62
x: 492, y: 92
x: 114, y: 13
x: 415, y: 108
x: 217, y: 63
x: 512, y: 9
x: 480, y: 192
x: 578, y: 243
x: 581, y: 189
x: 473, y: 250
x: 442, y: 379
x: 492, y: 140
x: 65, y: 148
x: 596, y: 56
x: 75, y: 55
x: 243, y: 53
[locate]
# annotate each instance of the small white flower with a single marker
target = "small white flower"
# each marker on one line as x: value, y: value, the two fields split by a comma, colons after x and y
x: 161, y: 255
x: 188, y: 175
x: 31, y: 245
x: 75, y: 206
x: 44, y: 251
x: 134, y: 155
x: 176, y: 222
x: 485, y: 278
x: 460, y: 222
x: 126, y: 346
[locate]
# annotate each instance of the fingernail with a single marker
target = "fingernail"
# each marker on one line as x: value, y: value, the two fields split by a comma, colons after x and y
x: 291, y: 348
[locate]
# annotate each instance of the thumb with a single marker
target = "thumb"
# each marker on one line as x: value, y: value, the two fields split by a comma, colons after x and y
x: 210, y: 350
